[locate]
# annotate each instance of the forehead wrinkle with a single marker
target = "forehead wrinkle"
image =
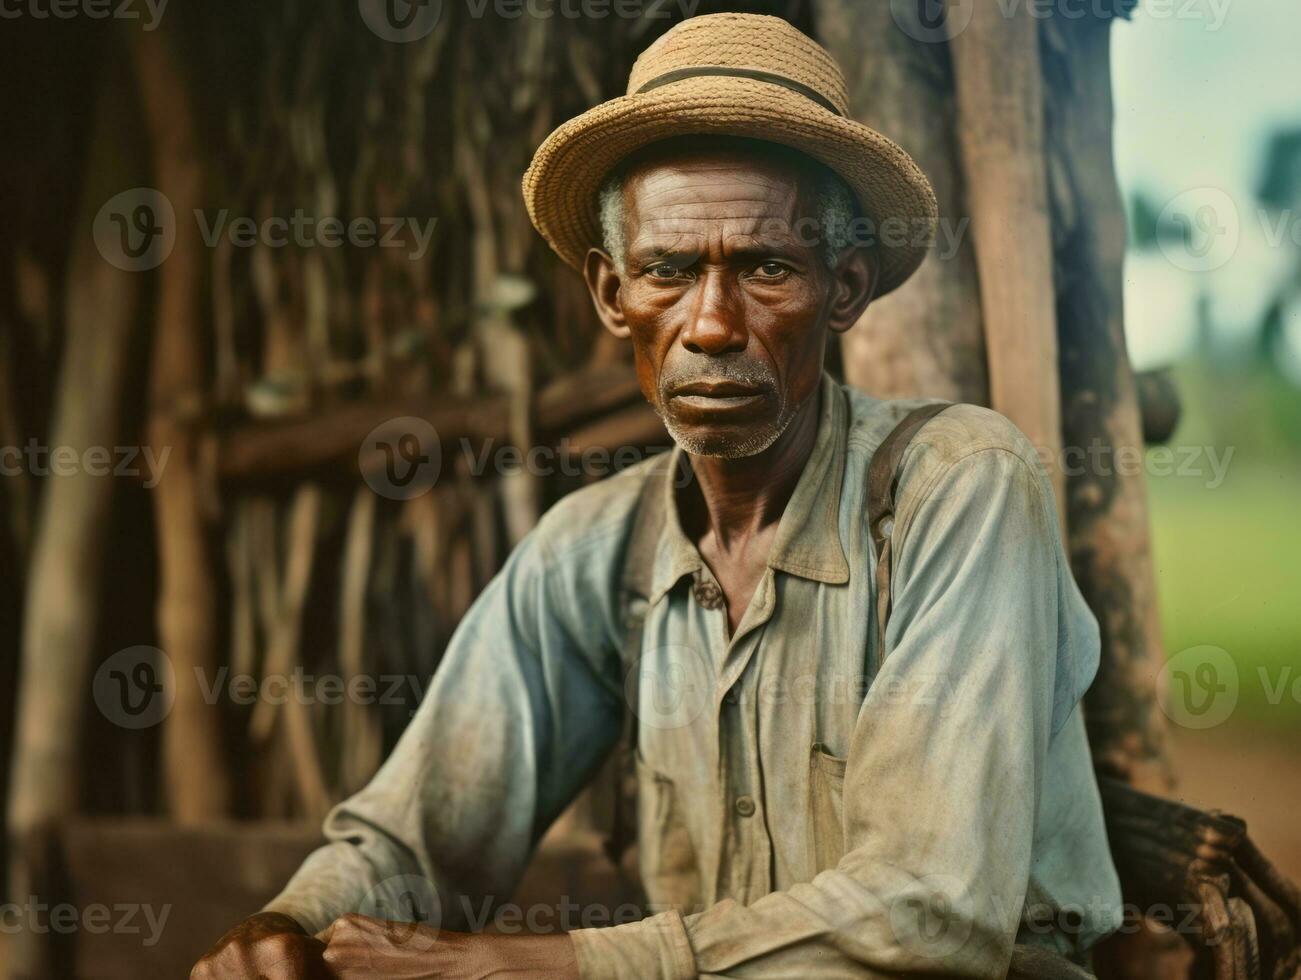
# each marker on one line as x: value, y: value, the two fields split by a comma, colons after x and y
x: 687, y: 215
x: 675, y: 208
x: 700, y: 213
x: 669, y: 179
x: 717, y: 241
x: 691, y: 192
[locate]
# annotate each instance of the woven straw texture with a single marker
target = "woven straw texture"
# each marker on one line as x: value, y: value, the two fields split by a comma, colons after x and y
x: 561, y: 184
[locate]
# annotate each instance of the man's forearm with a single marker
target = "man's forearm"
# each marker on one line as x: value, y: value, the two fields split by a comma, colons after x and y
x: 333, y: 881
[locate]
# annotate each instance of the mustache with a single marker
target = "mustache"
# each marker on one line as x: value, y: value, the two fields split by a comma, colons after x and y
x: 752, y: 374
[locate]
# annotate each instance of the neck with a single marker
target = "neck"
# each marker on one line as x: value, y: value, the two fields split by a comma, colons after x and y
x: 735, y: 499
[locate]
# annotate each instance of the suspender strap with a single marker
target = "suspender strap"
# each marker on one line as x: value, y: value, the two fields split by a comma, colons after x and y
x: 882, y: 482
x: 635, y: 588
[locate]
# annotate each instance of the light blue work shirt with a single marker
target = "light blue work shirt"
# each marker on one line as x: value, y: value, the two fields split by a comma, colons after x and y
x: 799, y: 814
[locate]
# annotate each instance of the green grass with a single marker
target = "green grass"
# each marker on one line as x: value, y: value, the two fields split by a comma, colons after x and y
x: 1228, y: 567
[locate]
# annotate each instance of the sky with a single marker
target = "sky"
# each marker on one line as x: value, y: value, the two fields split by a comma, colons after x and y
x: 1199, y: 87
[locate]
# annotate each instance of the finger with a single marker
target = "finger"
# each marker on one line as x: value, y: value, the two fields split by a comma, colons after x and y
x: 325, y: 934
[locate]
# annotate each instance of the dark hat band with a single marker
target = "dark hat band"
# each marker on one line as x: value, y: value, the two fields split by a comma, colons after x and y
x: 697, y: 71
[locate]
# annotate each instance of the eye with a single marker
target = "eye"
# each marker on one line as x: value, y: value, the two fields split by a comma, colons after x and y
x: 772, y: 269
x: 664, y: 271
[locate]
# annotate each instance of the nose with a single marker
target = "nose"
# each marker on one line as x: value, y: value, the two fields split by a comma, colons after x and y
x: 717, y: 322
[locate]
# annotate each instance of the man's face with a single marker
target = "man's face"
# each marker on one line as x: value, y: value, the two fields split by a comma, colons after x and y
x: 725, y: 295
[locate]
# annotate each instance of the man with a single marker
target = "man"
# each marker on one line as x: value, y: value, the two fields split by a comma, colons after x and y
x: 810, y: 801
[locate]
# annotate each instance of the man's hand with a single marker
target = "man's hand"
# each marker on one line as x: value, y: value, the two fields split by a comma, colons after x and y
x: 358, y: 946
x: 267, y: 945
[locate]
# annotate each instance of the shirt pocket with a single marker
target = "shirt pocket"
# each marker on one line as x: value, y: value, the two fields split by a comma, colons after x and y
x: 669, y: 871
x: 827, y: 801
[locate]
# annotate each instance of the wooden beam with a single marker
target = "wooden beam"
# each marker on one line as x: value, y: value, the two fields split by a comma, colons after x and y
x: 330, y: 438
x: 999, y: 92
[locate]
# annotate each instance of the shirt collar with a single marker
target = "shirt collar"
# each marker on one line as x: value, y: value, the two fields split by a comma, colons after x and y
x: 808, y: 534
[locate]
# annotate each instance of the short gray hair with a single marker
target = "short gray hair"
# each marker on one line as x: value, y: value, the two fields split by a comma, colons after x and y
x: 834, y: 211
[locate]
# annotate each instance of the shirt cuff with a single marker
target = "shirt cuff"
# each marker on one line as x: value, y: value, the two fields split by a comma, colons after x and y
x: 652, y: 949
x: 312, y: 920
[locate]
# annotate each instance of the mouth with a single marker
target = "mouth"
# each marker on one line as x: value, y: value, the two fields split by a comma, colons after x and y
x: 715, y: 394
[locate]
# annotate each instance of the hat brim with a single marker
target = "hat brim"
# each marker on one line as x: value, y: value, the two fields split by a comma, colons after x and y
x: 562, y: 182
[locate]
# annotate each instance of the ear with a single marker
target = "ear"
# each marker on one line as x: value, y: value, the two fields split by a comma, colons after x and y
x: 603, y: 283
x: 854, y: 284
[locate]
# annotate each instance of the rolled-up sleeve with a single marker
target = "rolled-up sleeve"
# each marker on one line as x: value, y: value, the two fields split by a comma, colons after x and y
x: 518, y: 715
x: 990, y: 647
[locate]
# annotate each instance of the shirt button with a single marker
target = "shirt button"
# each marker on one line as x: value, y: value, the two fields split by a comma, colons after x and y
x: 708, y: 594
x: 745, y: 806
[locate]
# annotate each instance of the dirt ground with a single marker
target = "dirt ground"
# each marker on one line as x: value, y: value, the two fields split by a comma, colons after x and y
x: 1252, y: 774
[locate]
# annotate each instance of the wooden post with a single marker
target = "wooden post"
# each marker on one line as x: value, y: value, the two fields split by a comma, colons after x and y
x: 197, y: 777
x: 1106, y: 509
x: 999, y: 93
x: 926, y: 338
x: 1110, y: 542
x: 60, y: 617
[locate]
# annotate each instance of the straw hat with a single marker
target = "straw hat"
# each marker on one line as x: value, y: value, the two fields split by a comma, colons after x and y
x: 740, y: 75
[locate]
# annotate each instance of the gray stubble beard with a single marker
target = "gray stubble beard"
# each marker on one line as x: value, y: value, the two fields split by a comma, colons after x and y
x: 753, y: 442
